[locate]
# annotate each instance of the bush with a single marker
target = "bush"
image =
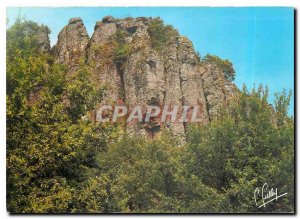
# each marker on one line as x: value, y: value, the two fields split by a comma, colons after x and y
x: 122, y: 50
x: 49, y: 147
x: 59, y: 163
x: 243, y: 149
x: 160, y: 34
x: 225, y: 65
x: 151, y: 176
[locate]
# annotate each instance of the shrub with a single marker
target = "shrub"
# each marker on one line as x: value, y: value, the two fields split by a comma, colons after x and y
x: 225, y: 65
x: 160, y: 34
x: 245, y: 148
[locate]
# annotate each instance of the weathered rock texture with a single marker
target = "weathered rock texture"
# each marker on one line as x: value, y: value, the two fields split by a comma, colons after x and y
x: 71, y: 44
x: 216, y: 87
x: 43, y: 41
x: 172, y: 76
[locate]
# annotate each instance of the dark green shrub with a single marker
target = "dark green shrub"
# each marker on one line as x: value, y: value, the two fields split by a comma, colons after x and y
x: 225, y: 65
x: 122, y: 50
x: 160, y: 34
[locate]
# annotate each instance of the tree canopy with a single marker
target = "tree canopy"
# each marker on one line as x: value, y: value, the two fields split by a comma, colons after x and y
x: 57, y: 162
x: 225, y: 65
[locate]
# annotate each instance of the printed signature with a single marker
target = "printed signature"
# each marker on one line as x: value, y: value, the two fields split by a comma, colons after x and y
x: 266, y: 195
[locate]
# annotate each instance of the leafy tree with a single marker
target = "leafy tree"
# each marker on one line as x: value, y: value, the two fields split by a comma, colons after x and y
x: 122, y: 50
x: 281, y: 106
x: 225, y: 65
x: 160, y: 34
x: 49, y: 147
x: 58, y: 162
x: 82, y: 93
x: 243, y: 149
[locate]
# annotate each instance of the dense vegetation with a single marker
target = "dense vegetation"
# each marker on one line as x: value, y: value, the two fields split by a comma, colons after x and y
x: 225, y: 65
x: 160, y: 34
x: 59, y: 162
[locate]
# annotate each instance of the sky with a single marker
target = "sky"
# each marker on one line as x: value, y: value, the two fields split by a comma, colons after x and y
x: 258, y: 41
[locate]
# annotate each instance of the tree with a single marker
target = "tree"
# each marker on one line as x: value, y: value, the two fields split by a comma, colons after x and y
x: 151, y: 176
x: 225, y: 65
x: 160, y: 34
x: 122, y: 50
x: 49, y: 147
x: 245, y: 148
x: 59, y: 162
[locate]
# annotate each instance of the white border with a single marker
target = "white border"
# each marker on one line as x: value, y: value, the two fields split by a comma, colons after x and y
x: 238, y: 3
x: 60, y: 3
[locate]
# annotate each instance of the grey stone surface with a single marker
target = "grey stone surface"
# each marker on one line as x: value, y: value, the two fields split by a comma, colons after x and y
x: 170, y: 77
x: 72, y: 43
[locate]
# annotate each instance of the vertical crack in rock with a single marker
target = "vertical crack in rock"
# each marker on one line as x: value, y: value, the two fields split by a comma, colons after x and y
x: 206, y: 101
x: 181, y: 81
x: 71, y: 45
x: 136, y: 73
x: 217, y: 89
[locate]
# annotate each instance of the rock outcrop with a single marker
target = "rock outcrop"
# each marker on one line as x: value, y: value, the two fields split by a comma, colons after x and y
x: 43, y: 40
x: 216, y: 87
x: 71, y: 44
x: 145, y: 76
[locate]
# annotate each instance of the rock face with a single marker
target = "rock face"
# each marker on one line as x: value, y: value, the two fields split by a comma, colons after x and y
x: 100, y: 53
x: 43, y: 41
x: 166, y: 78
x: 216, y: 87
x: 71, y: 44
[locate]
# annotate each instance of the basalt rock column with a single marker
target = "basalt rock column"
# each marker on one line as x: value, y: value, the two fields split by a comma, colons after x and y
x: 71, y: 45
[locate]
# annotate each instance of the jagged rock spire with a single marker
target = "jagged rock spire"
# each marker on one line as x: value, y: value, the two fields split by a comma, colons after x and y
x: 71, y: 44
x: 172, y: 76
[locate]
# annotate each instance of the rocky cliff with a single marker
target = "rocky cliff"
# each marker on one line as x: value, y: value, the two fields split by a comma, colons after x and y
x: 138, y: 68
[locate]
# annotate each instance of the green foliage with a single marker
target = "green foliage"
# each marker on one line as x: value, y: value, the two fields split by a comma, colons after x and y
x: 243, y: 149
x: 151, y: 176
x: 92, y: 195
x: 57, y: 162
x: 25, y: 35
x: 282, y: 102
x: 122, y: 50
x: 82, y: 93
x: 160, y: 34
x: 49, y: 146
x: 225, y: 65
